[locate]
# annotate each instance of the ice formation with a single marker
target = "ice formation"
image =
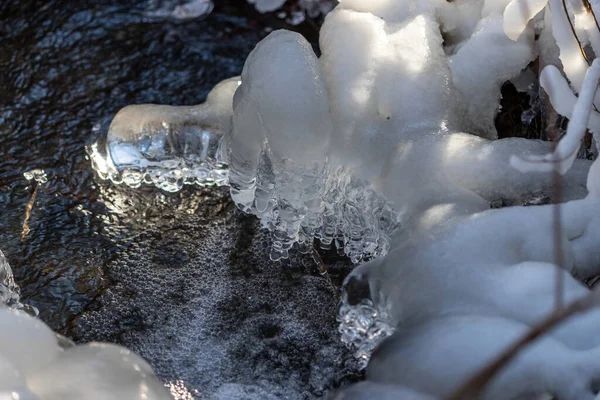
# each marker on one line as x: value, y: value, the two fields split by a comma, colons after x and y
x: 321, y: 148
x: 179, y: 10
x: 33, y: 366
x: 37, y: 364
x: 324, y: 149
x: 9, y: 291
x: 167, y: 146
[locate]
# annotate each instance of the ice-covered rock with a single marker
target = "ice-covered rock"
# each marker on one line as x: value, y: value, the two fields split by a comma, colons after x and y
x: 34, y: 367
x: 167, y: 146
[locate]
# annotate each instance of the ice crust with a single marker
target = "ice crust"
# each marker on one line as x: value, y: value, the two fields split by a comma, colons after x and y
x: 34, y: 367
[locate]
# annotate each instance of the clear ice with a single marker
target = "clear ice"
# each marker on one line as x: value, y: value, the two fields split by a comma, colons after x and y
x: 167, y: 146
x: 9, y: 291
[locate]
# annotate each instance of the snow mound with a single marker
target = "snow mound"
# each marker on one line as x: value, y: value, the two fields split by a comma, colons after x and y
x: 9, y: 291
x: 315, y: 141
x: 34, y: 367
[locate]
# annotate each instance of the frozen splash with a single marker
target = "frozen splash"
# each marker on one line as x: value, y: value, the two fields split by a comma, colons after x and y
x: 167, y: 146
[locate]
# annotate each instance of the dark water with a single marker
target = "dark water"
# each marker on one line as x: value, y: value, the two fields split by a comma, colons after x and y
x: 66, y: 66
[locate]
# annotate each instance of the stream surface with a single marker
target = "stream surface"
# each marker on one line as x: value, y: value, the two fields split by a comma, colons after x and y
x: 183, y: 279
x: 67, y: 66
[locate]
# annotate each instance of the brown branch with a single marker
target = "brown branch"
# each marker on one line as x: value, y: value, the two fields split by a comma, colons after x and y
x: 25, y: 231
x: 473, y: 387
x: 574, y: 32
x: 323, y: 269
x: 590, y: 9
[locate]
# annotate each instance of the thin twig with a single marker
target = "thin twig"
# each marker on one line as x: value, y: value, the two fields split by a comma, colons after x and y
x: 575, y: 33
x: 473, y: 387
x: 590, y: 9
x: 28, y: 209
x: 577, y: 37
x: 323, y: 269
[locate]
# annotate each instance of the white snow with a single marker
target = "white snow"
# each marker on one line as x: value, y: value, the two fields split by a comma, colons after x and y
x: 34, y: 367
x: 518, y: 14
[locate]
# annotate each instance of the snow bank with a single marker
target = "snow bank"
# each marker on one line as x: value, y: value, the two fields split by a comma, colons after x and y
x: 34, y: 367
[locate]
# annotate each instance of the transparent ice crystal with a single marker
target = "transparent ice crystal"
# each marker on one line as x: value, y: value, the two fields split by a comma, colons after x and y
x: 9, y: 291
x: 167, y: 146
x: 333, y: 207
x: 39, y: 175
x: 10, y: 294
x: 281, y: 167
x: 362, y: 326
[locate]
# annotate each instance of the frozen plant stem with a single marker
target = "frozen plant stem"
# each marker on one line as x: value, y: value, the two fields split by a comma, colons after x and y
x: 323, y: 269
x: 25, y: 230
